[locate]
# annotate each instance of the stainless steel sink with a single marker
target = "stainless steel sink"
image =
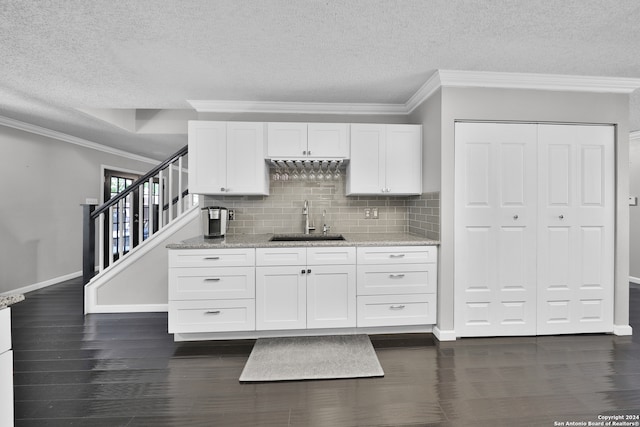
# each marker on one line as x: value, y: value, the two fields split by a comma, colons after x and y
x: 305, y: 237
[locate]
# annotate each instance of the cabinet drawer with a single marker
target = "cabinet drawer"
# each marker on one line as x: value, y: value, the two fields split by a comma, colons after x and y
x: 6, y: 388
x: 212, y: 257
x: 212, y: 316
x: 397, y: 254
x: 212, y: 283
x: 397, y: 279
x: 5, y: 329
x: 396, y: 310
x: 331, y: 256
x: 281, y: 256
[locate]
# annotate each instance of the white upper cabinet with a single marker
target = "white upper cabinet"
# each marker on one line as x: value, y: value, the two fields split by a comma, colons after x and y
x: 385, y: 160
x: 227, y: 158
x: 307, y: 140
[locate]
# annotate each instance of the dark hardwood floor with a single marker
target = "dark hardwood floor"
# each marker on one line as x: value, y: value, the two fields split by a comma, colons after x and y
x: 125, y: 370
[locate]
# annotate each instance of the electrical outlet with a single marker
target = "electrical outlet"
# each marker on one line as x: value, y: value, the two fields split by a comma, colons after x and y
x: 232, y: 214
x: 367, y: 213
x: 374, y: 213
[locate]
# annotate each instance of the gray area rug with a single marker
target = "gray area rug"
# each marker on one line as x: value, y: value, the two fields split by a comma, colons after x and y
x: 307, y: 358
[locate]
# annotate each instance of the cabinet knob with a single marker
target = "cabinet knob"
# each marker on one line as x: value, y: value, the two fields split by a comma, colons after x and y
x: 303, y: 271
x: 561, y: 217
x: 304, y: 152
x: 308, y: 271
x: 515, y: 217
x: 309, y: 153
x: 222, y: 189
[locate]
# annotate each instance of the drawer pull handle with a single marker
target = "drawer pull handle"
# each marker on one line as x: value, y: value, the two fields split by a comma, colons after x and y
x: 213, y: 312
x: 212, y: 257
x: 396, y: 255
x: 396, y: 275
x: 212, y: 279
x: 396, y: 307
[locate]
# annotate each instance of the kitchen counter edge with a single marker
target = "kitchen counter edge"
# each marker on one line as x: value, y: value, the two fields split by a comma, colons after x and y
x: 262, y: 241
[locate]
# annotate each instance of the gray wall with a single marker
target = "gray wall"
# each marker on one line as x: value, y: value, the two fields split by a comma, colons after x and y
x: 44, y: 181
x: 532, y: 106
x: 429, y: 115
x: 634, y: 211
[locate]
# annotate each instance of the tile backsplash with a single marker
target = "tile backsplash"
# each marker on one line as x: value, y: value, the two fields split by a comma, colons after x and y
x: 281, y: 211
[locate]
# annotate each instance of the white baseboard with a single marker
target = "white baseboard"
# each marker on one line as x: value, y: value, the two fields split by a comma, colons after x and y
x: 444, y: 335
x: 131, y: 308
x: 44, y: 284
x: 622, y: 330
x: 635, y: 280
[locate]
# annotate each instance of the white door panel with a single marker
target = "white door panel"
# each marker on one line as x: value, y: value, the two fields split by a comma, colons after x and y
x: 576, y: 226
x: 495, y: 190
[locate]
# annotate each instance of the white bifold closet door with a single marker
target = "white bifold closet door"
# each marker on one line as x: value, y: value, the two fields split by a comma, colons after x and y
x: 533, y: 229
x: 575, y: 229
x: 495, y: 229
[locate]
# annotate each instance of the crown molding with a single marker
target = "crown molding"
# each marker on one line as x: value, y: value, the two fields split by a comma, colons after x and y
x: 432, y: 84
x: 634, y: 136
x: 38, y: 130
x: 214, y: 106
x: 441, y: 78
x: 555, y: 82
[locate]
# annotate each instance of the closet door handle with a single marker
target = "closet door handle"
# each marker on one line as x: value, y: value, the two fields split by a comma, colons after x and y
x: 516, y: 217
x: 561, y: 217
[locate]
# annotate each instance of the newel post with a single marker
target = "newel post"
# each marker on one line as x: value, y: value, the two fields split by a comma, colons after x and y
x: 88, y: 243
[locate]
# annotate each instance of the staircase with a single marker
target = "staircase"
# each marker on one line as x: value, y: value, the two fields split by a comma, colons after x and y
x: 130, y: 230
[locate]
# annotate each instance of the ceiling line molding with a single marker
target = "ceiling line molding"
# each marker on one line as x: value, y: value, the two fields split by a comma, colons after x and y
x: 430, y: 87
x: 222, y: 106
x: 555, y: 82
x: 38, y: 130
x: 634, y: 136
x: 441, y: 78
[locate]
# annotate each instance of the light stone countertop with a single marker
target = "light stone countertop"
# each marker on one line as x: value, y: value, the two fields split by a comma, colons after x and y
x: 7, y: 300
x: 262, y: 241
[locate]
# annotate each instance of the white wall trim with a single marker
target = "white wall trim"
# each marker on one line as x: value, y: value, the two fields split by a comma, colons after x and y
x: 622, y: 330
x: 43, y: 284
x: 635, y: 280
x: 221, y: 106
x: 38, y: 130
x: 454, y: 78
x: 444, y: 335
x: 555, y: 82
x: 432, y: 84
x: 91, y: 304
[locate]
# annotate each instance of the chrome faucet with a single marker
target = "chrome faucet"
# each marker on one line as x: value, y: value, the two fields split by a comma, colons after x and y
x: 305, y: 211
x: 325, y: 227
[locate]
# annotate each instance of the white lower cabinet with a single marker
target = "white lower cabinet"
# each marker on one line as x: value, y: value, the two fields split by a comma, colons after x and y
x: 6, y: 369
x: 211, y: 290
x: 317, y: 293
x: 300, y: 288
x: 397, y: 285
x: 281, y: 297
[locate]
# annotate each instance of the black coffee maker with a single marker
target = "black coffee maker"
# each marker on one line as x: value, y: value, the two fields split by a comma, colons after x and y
x: 214, y: 221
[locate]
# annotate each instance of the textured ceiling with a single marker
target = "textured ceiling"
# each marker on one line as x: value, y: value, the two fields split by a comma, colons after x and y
x: 60, y: 56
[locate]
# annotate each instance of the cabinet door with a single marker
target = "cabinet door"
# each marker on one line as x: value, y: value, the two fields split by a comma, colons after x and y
x: 366, y: 169
x: 6, y: 388
x: 495, y: 229
x: 207, y: 157
x: 286, y: 140
x: 576, y: 229
x: 281, y: 298
x: 247, y: 171
x: 328, y: 140
x: 331, y: 296
x: 403, y: 155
